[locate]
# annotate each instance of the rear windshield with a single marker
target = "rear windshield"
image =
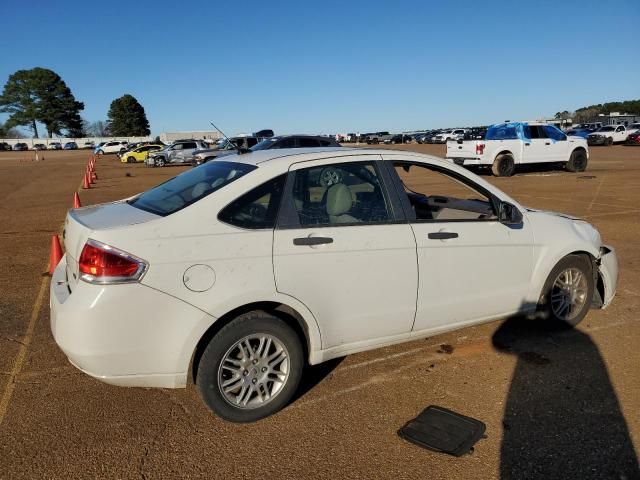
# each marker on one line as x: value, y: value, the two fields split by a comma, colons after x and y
x: 502, y: 132
x: 189, y: 187
x: 264, y: 144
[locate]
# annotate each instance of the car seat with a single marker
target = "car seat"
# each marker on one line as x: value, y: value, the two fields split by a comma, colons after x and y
x: 339, y: 203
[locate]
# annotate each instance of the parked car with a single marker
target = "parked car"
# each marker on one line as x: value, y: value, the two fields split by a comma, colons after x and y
x: 258, y: 264
x: 111, y: 147
x: 375, y: 138
x: 593, y: 126
x: 475, y: 133
x: 507, y: 145
x: 608, y: 135
x: 55, y: 146
x: 451, y: 134
x: 139, y: 154
x: 70, y: 146
x: 39, y: 146
x: 634, y: 127
x: 579, y: 132
x: 89, y: 145
x: 295, y: 141
x: 399, y: 138
x: 20, y: 147
x: 225, y: 147
x: 178, y: 153
x: 4, y: 146
x: 634, y: 138
x: 430, y: 136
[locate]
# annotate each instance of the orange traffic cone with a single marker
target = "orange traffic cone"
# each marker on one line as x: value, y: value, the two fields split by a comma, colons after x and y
x: 91, y: 179
x: 56, y: 254
x: 86, y: 184
x: 76, y: 200
x: 94, y: 175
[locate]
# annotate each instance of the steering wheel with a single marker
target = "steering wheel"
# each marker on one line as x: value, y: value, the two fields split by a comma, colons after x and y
x: 330, y: 176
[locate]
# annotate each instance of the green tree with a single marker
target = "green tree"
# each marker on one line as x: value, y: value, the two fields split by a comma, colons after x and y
x: 40, y: 95
x: 127, y: 118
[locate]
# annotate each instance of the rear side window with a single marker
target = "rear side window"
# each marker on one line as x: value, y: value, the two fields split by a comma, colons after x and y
x: 256, y: 209
x: 502, y: 132
x: 189, y: 187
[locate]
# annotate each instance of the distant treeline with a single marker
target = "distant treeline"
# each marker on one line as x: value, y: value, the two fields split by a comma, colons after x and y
x: 627, y: 106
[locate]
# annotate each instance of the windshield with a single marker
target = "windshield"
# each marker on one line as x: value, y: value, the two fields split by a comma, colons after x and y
x: 606, y: 129
x: 263, y: 145
x: 189, y: 187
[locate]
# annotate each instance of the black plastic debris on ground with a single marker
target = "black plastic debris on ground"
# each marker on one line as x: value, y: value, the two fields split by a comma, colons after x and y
x: 442, y: 430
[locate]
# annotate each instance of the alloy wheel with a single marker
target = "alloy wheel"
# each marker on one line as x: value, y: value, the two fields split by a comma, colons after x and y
x: 253, y: 371
x: 569, y: 293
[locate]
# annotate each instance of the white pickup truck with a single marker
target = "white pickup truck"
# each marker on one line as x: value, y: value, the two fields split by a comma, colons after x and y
x: 507, y: 145
x: 609, y: 135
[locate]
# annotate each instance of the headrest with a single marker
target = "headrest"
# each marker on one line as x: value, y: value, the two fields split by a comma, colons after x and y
x: 339, y: 199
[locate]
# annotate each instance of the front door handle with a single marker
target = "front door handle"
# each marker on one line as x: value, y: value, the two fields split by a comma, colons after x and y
x: 547, y: 143
x: 442, y: 235
x: 311, y: 241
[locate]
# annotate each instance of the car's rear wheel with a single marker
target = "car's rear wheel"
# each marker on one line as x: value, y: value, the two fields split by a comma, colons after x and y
x: 609, y: 141
x: 131, y: 160
x: 568, y: 291
x: 503, y: 165
x: 577, y: 162
x: 376, y: 141
x: 100, y: 152
x: 251, y: 368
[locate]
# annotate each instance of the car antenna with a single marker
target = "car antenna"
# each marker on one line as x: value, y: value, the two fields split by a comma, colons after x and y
x: 239, y: 149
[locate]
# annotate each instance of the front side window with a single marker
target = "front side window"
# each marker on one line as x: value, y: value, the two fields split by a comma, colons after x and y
x: 256, y: 209
x: 435, y: 195
x: 340, y: 194
x: 308, y: 142
x: 189, y: 187
x: 554, y: 133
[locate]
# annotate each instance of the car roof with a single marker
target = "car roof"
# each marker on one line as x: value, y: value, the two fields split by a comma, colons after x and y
x: 287, y: 156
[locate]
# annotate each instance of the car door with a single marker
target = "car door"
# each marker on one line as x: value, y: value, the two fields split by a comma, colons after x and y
x: 341, y: 248
x: 536, y: 145
x: 559, y: 146
x: 173, y: 155
x: 620, y: 134
x: 471, y: 266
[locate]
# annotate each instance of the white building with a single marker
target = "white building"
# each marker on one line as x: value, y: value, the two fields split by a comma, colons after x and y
x: 168, y: 137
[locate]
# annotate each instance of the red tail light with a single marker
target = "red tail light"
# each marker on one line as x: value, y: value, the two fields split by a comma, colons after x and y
x: 480, y: 148
x: 101, y: 263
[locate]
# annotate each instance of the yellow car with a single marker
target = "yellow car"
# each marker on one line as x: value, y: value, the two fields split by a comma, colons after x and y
x: 139, y: 154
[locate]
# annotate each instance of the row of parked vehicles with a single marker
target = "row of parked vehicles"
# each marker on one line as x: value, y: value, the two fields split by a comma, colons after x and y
x: 23, y: 147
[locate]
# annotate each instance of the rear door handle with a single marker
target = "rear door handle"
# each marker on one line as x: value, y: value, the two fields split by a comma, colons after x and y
x: 311, y: 241
x: 442, y: 235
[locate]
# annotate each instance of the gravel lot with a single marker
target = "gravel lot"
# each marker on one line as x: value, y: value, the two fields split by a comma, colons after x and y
x: 556, y: 404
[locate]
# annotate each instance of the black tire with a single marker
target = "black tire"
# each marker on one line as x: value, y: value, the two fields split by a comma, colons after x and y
x: 577, y: 162
x: 100, y: 152
x: 609, y: 141
x: 131, y: 160
x: 252, y: 323
x: 376, y: 141
x: 545, y: 308
x: 503, y: 165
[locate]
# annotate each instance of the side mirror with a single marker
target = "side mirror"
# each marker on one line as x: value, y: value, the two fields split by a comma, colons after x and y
x: 508, y: 214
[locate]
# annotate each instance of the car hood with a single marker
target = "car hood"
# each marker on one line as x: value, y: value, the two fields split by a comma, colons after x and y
x: 553, y: 221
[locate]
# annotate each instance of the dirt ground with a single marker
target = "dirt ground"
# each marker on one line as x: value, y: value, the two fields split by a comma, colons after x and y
x: 556, y: 404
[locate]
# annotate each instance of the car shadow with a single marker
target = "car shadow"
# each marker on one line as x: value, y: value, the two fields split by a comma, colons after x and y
x: 313, y: 375
x: 562, y: 418
x: 525, y: 169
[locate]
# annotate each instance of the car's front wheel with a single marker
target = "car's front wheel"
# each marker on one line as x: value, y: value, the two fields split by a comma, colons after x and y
x: 568, y: 291
x: 131, y: 160
x: 251, y: 368
x: 100, y: 152
x: 609, y: 141
x: 160, y: 162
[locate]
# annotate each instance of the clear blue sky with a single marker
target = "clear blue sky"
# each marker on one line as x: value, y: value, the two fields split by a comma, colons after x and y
x: 331, y: 66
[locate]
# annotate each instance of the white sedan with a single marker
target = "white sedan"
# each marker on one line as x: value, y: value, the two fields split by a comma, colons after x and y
x: 249, y: 268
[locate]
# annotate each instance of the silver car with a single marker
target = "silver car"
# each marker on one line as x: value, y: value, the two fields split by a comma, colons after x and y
x: 178, y: 153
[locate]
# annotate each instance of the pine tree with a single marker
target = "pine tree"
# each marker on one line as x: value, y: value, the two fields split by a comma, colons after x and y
x: 127, y: 118
x: 40, y: 95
